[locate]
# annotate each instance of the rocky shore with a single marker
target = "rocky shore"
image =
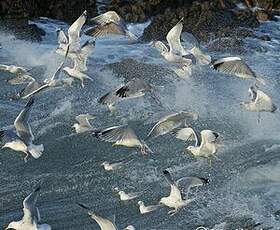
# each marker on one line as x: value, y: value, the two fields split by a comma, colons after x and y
x: 206, y: 20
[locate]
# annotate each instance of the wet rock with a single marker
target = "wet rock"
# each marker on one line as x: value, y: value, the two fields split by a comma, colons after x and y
x: 263, y: 15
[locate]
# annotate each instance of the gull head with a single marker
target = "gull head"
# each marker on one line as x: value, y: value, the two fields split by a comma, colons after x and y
x: 163, y: 200
x: 104, y: 164
x: 116, y: 189
x: 75, y: 127
x: 140, y: 203
x: 121, y: 193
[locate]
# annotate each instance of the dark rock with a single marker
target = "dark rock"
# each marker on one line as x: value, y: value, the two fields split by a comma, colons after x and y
x: 229, y: 45
x: 263, y: 15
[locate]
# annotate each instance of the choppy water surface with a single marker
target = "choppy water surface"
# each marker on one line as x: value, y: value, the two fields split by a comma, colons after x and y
x: 245, y: 179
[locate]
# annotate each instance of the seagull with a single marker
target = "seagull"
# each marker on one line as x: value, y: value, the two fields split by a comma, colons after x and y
x: 109, y: 23
x: 22, y: 75
x: 76, y: 73
x: 235, y: 66
x: 73, y: 39
x: 260, y: 102
x: 113, y: 166
x: 176, y: 52
x: 171, y: 122
x: 134, y: 88
x: 81, y: 55
x: 127, y: 196
x: 122, y: 135
x: 83, y: 124
x: 205, y: 145
x: 175, y: 199
x: 31, y: 215
x: 104, y: 224
x: 21, y: 139
x: 146, y: 209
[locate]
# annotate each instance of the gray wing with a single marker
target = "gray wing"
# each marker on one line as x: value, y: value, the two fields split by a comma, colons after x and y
x: 160, y: 46
x: 21, y: 123
x: 110, y: 16
x: 233, y: 66
x: 30, y: 211
x: 116, y: 133
x: 61, y: 36
x: 105, y: 30
x: 21, y: 79
x: 75, y: 30
x: 31, y: 87
x: 132, y: 88
x: 58, y: 71
x: 174, y: 39
x: 169, y: 123
x: 8, y: 135
x: 185, y: 183
x: 36, y: 91
x: 83, y: 119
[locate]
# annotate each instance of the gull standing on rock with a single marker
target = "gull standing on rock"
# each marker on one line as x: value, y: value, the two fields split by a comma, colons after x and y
x: 21, y: 139
x: 235, y: 66
x: 260, y: 102
x: 146, y: 209
x: 205, y: 144
x: 83, y: 124
x: 175, y: 199
x: 122, y: 135
x: 22, y: 76
x: 109, y: 23
x: 134, y: 88
x: 31, y: 215
x: 171, y: 122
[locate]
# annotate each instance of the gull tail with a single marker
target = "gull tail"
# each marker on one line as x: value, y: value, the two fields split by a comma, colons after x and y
x: 36, y: 150
x: 188, y: 201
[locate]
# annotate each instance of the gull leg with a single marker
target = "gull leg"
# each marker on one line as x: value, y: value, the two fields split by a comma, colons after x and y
x: 173, y: 212
x: 82, y: 83
x: 25, y: 158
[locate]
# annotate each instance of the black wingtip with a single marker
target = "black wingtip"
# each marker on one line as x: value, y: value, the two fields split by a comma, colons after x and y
x: 83, y: 206
x: 216, y: 135
x: 166, y: 172
x: 37, y: 189
x: 30, y: 102
x: 205, y: 180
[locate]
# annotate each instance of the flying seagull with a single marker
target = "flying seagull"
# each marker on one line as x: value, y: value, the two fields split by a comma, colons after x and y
x: 112, y: 166
x: 109, y: 23
x: 22, y: 75
x: 146, y: 209
x: 127, y: 196
x: 20, y: 138
x: 83, y: 124
x: 104, y: 223
x: 31, y: 215
x: 74, y: 34
x: 134, y: 88
x: 205, y: 144
x: 171, y: 122
x: 122, y: 135
x: 175, y: 199
x: 260, y: 102
x: 235, y: 66
x: 176, y: 54
x: 76, y: 73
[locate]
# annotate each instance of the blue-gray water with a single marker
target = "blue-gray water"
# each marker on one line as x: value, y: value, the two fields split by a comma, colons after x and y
x: 245, y: 179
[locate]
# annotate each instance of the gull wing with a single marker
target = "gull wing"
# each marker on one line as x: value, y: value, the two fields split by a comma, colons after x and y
x: 4, y: 67
x: 83, y: 119
x: 186, y: 134
x: 186, y: 183
x: 253, y: 93
x: 61, y: 37
x: 30, y: 211
x: 31, y: 87
x: 160, y: 46
x: 21, y: 123
x: 208, y: 136
x: 175, y: 193
x: 134, y: 87
x: 108, y: 17
x: 120, y: 134
x: 45, y: 86
x: 104, y: 223
x: 105, y: 30
x: 233, y: 66
x: 174, y: 39
x: 75, y: 30
x: 265, y: 102
x: 169, y: 123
